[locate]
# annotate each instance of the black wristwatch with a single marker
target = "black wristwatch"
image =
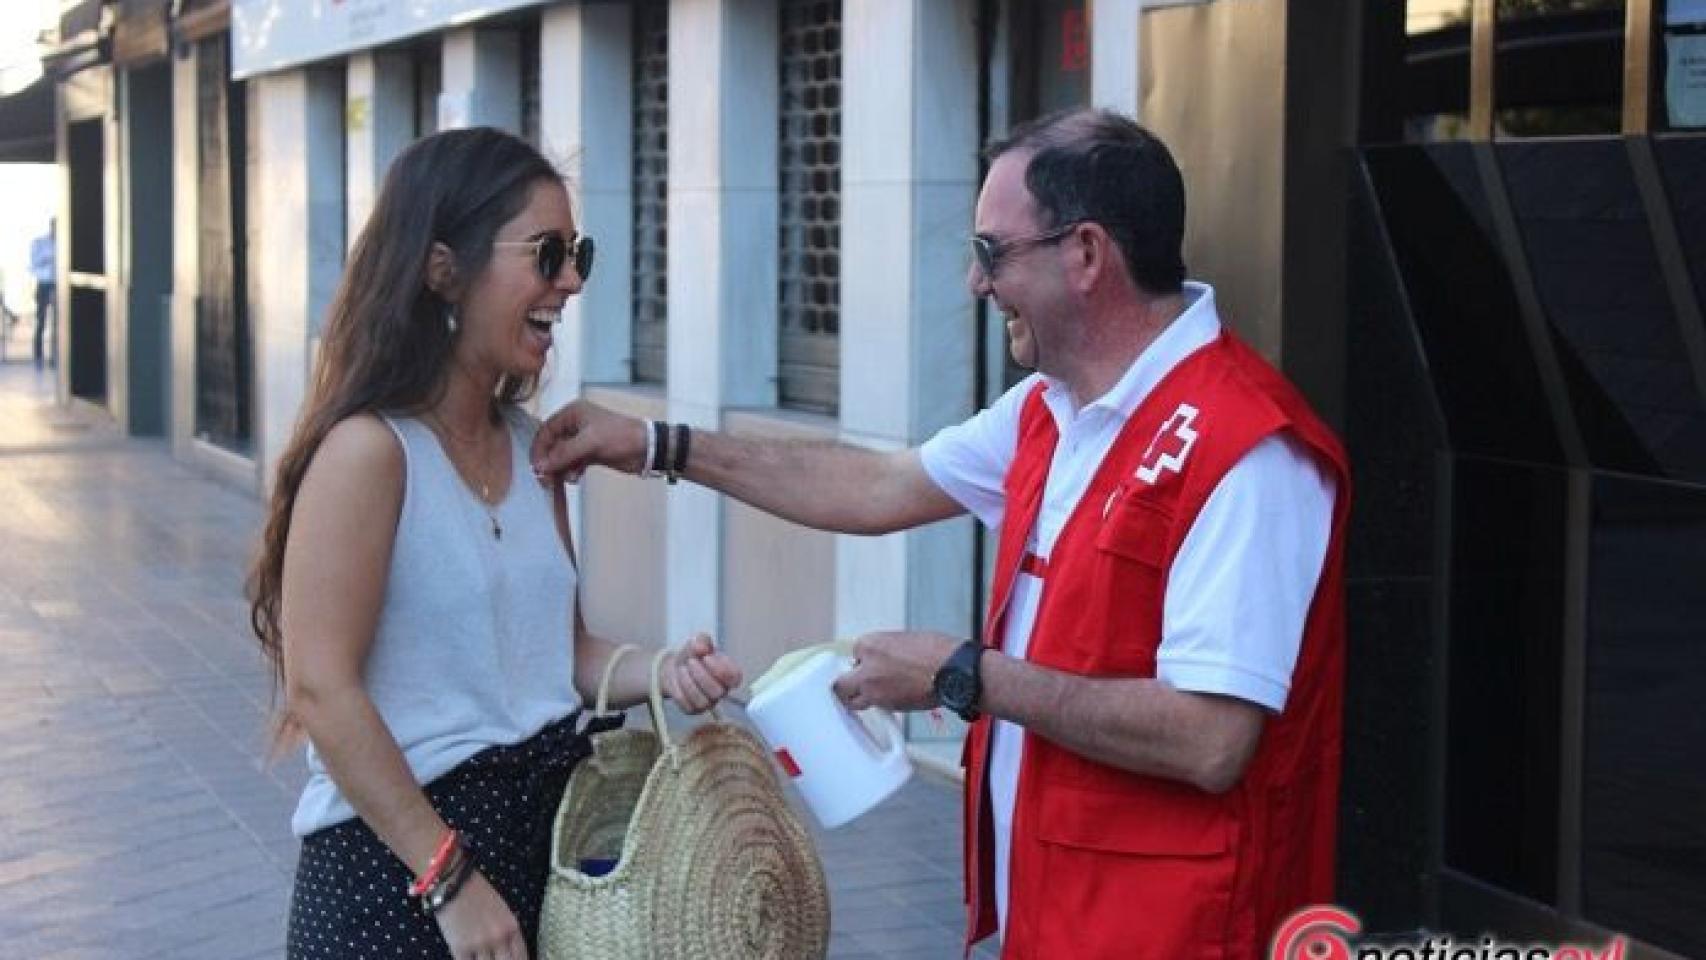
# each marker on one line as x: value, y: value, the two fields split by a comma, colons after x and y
x: 958, y: 684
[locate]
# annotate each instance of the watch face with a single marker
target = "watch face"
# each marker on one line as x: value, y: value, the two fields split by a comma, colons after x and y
x: 956, y: 689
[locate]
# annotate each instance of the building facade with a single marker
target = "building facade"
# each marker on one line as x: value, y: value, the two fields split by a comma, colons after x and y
x: 1472, y: 230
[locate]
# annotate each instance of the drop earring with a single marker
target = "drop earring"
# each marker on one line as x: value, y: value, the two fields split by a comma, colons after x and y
x: 450, y: 319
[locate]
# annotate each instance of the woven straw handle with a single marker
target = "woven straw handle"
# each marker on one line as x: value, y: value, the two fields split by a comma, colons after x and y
x: 659, y: 722
x: 603, y: 708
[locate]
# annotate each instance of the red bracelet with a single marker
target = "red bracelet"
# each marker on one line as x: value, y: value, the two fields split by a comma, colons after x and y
x: 424, y: 882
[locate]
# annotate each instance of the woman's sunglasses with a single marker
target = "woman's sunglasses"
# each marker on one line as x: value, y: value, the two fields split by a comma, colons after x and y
x: 552, y: 250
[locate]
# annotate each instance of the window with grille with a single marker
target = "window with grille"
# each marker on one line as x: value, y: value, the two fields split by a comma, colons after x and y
x: 529, y: 56
x: 810, y: 204
x: 651, y: 191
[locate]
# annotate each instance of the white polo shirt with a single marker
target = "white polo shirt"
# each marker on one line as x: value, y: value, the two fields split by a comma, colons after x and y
x: 1238, y: 591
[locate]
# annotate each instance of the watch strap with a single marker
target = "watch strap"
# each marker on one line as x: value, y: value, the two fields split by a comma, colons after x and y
x: 966, y: 661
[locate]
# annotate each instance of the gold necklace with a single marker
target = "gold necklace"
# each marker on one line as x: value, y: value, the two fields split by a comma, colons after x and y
x: 438, y: 426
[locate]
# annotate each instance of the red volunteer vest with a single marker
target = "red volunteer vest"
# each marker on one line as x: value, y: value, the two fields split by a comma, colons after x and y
x: 1111, y: 864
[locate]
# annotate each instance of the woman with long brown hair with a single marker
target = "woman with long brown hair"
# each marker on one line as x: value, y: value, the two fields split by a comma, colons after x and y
x: 414, y: 592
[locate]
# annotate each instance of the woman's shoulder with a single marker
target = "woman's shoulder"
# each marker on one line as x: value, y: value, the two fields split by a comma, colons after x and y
x: 361, y: 445
x: 355, y: 481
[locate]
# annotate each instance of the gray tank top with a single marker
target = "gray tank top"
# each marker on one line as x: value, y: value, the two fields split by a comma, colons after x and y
x: 475, y: 643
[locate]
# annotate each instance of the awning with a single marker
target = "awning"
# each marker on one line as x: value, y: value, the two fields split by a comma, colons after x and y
x: 76, y: 56
x: 140, y: 31
x: 200, y: 19
x: 83, y: 43
x: 79, y: 16
x: 26, y: 124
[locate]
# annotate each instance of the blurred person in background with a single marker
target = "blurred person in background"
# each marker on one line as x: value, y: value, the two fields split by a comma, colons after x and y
x: 43, y: 266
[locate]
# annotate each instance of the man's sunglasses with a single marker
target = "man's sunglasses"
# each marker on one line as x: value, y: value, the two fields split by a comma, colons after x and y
x: 989, y: 252
x: 552, y: 250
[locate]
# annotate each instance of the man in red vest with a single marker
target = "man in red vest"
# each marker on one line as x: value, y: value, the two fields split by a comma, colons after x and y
x: 1152, y: 767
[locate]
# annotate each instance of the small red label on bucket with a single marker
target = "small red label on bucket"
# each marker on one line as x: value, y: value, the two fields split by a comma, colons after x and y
x: 786, y: 759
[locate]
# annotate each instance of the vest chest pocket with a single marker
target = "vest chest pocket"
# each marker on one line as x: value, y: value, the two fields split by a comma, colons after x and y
x: 1124, y: 589
x: 1131, y: 550
x: 1136, y: 529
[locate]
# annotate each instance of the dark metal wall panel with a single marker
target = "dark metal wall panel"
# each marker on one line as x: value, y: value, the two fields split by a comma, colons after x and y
x: 1554, y: 284
x: 1588, y: 242
x: 1644, y: 842
x: 1389, y: 821
x: 1507, y: 601
x: 1463, y: 302
x: 1680, y: 160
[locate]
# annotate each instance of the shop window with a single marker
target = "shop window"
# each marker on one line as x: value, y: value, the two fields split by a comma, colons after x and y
x: 1682, y: 73
x: 1047, y: 57
x: 1051, y: 57
x: 1416, y: 71
x: 1435, y: 86
x: 810, y: 204
x: 651, y: 192
x: 1558, y: 69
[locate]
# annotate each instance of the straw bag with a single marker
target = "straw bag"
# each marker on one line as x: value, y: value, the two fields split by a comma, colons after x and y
x: 710, y: 861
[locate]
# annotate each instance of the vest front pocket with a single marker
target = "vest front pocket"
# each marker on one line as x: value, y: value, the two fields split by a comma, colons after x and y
x: 1146, y: 876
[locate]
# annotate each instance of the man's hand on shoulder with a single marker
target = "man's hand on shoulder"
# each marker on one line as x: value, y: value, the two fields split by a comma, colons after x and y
x: 584, y: 434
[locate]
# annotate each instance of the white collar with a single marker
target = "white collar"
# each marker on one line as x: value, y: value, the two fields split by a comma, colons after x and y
x: 1194, y: 328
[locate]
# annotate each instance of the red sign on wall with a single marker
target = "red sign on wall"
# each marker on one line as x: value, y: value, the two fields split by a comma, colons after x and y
x: 1074, y: 41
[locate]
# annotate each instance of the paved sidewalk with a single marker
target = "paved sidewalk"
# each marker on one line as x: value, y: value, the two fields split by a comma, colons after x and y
x: 136, y: 817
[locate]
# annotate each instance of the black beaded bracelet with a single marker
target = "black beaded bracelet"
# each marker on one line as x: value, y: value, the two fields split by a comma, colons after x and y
x: 660, y: 448
x: 678, y: 463
x: 449, y: 885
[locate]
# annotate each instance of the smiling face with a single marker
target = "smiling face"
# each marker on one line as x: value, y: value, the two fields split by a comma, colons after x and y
x: 1028, y: 287
x: 508, y: 310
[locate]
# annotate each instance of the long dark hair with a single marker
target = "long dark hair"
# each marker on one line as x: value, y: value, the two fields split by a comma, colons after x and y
x: 387, y: 345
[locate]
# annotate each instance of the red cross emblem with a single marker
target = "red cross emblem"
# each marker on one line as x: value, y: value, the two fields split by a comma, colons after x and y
x: 1172, y: 444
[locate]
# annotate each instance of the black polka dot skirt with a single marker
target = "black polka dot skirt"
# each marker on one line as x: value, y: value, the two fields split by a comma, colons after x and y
x: 350, y: 897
